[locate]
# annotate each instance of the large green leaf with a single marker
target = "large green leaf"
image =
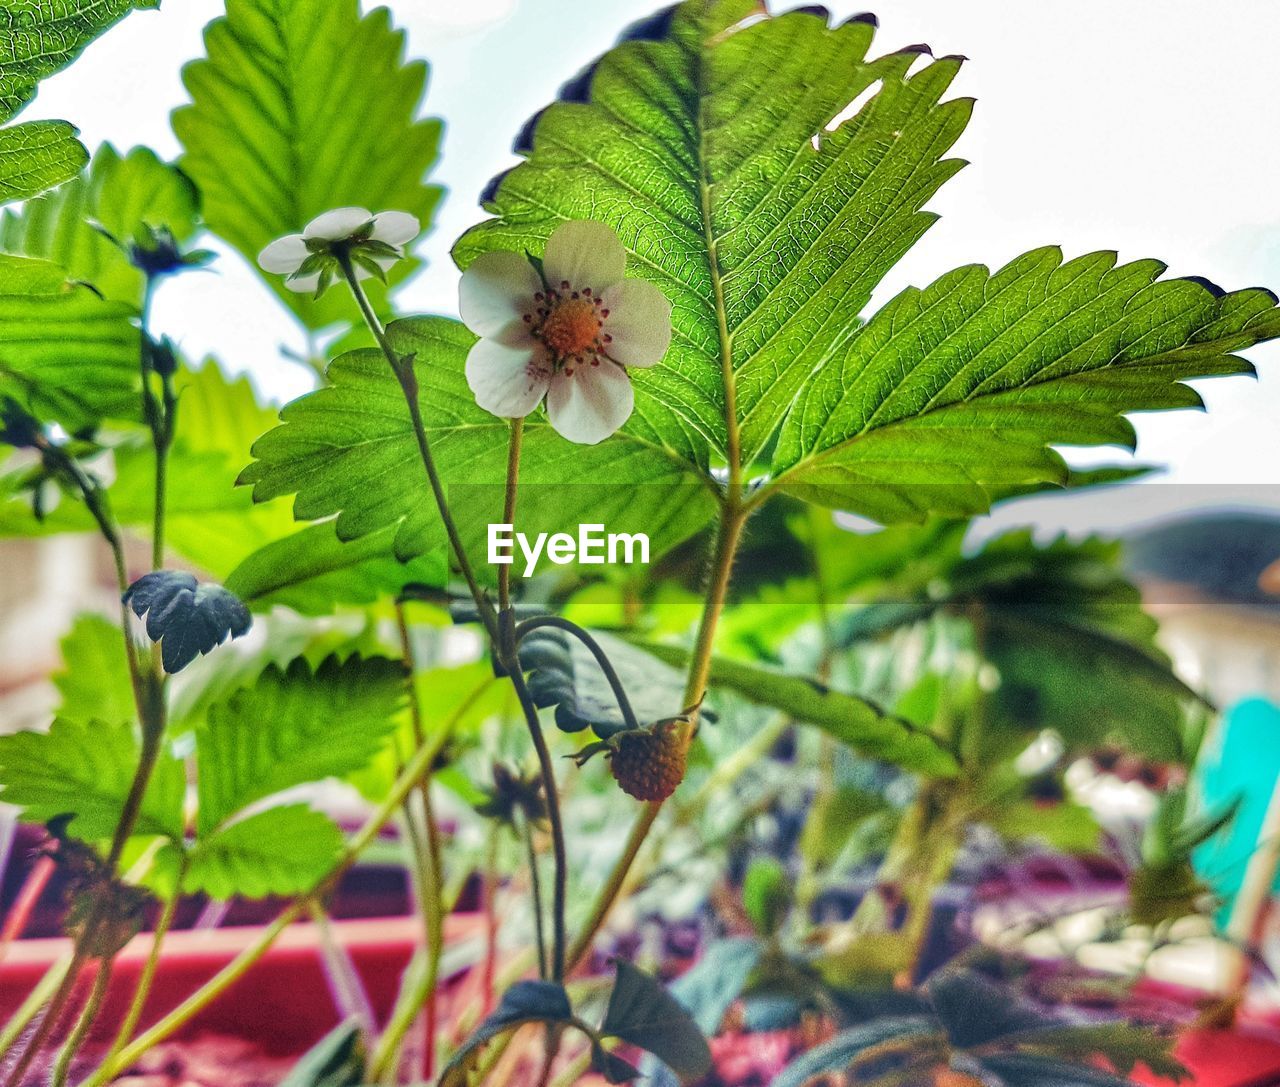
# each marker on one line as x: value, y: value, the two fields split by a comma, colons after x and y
x: 349, y: 449
x: 122, y: 195
x: 66, y: 355
x: 301, y: 106
x: 85, y: 771
x: 37, y: 155
x: 719, y: 147
x: 1066, y: 631
x: 861, y: 724
x: 293, y: 727
x: 766, y: 175
x: 40, y: 37
x: 280, y: 851
x: 94, y: 679
x: 951, y: 392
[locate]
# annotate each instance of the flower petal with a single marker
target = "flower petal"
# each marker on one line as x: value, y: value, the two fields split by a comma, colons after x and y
x: 284, y: 255
x: 335, y: 225
x: 591, y: 403
x: 304, y: 284
x: 496, y: 289
x: 507, y: 381
x: 639, y: 321
x: 395, y: 227
x: 586, y: 253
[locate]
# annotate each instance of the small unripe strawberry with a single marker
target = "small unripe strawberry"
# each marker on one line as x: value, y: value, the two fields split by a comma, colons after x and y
x: 650, y: 763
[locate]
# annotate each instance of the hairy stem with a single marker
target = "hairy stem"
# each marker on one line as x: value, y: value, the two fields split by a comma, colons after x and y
x: 145, y: 979
x: 729, y: 532
x: 90, y: 1012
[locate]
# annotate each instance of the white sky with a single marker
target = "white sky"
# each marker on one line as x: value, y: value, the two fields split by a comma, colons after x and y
x: 1146, y: 126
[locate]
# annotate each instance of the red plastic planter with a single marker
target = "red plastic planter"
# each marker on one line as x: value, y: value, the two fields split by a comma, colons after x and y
x: 283, y: 1002
x: 1226, y: 1058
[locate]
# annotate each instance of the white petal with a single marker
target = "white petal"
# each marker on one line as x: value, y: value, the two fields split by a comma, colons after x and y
x: 395, y: 227
x: 496, y: 289
x: 507, y: 381
x: 639, y: 321
x: 284, y: 255
x: 335, y: 225
x: 304, y: 284
x: 586, y: 253
x: 591, y: 403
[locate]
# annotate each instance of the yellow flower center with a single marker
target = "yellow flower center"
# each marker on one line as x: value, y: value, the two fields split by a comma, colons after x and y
x: 572, y: 327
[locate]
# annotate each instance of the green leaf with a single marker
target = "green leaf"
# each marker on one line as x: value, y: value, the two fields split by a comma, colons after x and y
x: 94, y: 679
x: 337, y: 1060
x: 280, y: 851
x: 37, y: 155
x: 838, y: 1053
x: 66, y: 355
x: 524, y: 1002
x: 974, y: 1010
x: 1064, y: 825
x: 717, y: 146
x: 311, y: 571
x: 861, y: 724
x: 41, y: 37
x: 1124, y: 1045
x: 349, y: 449
x: 1022, y: 1070
x: 301, y: 106
x: 1065, y: 630
x: 953, y: 392
x: 709, y: 988
x: 642, y: 1012
x: 44, y: 36
x: 292, y: 727
x: 187, y: 619
x: 86, y: 771
x: 766, y: 894
x: 123, y: 195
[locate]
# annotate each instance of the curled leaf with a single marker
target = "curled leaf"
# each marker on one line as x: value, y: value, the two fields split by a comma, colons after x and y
x: 187, y: 619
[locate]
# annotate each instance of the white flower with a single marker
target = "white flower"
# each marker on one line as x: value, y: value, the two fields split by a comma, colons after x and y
x: 567, y: 333
x: 372, y: 242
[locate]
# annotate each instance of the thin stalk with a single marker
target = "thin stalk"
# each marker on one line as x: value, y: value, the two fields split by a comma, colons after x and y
x: 509, y: 508
x: 30, y: 1008
x: 490, y: 904
x: 420, y: 764
x: 409, y: 386
x: 535, y: 892
x: 145, y: 979
x: 559, y: 891
x: 87, y: 1016
x: 732, y: 519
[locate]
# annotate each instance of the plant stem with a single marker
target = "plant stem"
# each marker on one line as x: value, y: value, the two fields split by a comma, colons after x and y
x: 509, y: 508
x: 490, y: 905
x: 732, y: 518
x: 535, y: 892
x: 145, y: 979
x: 420, y: 764
x: 90, y: 1012
x: 404, y: 373
x: 385, y: 1057
x: 30, y: 1007
x: 559, y: 891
